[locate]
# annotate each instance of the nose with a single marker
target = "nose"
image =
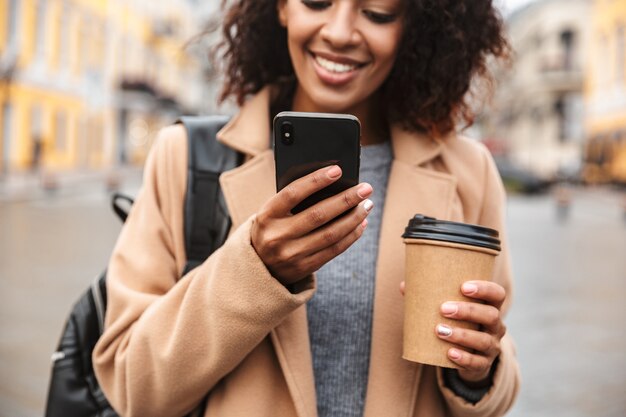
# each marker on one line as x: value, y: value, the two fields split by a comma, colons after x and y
x: 340, y: 30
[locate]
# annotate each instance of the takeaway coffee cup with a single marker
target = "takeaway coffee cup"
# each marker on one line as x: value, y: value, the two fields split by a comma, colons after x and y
x: 440, y: 256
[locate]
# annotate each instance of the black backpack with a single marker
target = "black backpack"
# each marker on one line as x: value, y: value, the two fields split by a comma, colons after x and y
x: 74, y: 390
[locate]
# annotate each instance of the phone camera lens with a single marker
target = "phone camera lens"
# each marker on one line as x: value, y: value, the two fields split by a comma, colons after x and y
x: 286, y: 133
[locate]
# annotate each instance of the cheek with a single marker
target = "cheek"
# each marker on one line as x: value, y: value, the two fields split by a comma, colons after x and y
x: 294, y: 46
x: 298, y: 35
x: 385, y: 48
x: 386, y: 62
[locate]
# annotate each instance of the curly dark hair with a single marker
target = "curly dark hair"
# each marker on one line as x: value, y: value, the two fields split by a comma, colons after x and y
x: 445, y: 46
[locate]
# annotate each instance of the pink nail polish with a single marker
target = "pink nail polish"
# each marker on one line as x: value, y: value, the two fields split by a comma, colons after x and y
x: 454, y: 354
x: 469, y: 288
x: 449, y: 308
x: 364, y: 190
x: 334, y: 172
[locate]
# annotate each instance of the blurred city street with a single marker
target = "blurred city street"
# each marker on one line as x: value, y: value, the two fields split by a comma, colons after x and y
x: 568, y: 317
x: 51, y: 248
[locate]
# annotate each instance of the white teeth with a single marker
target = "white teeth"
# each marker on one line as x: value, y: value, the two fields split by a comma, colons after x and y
x: 334, y: 66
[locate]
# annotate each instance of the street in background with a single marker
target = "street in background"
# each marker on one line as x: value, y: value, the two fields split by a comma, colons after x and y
x: 567, y: 318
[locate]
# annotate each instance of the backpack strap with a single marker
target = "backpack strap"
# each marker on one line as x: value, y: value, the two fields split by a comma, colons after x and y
x: 121, y: 204
x: 207, y: 220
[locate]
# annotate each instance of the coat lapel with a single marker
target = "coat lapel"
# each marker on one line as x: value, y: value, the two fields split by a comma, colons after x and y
x: 392, y: 381
x: 293, y: 348
x: 246, y: 189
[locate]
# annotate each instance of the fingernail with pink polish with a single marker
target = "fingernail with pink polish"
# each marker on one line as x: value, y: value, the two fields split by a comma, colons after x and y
x: 364, y: 190
x: 334, y: 172
x: 367, y: 205
x: 449, y: 308
x: 454, y: 354
x: 469, y: 288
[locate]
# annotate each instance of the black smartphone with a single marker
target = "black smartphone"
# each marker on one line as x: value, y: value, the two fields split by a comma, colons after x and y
x: 306, y: 142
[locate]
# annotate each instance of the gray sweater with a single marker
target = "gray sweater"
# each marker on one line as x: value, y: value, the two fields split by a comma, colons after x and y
x: 340, y: 313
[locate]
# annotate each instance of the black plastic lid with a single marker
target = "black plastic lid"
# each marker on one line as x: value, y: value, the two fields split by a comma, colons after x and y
x: 429, y: 228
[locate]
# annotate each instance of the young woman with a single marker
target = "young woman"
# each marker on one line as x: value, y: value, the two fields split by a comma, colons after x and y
x: 299, y: 315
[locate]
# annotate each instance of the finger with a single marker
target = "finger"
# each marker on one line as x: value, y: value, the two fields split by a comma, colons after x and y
x: 470, y: 361
x: 487, y: 291
x: 323, y: 212
x: 326, y: 236
x: 320, y: 258
x: 482, y: 314
x: 484, y: 343
x: 334, y: 232
x: 290, y: 196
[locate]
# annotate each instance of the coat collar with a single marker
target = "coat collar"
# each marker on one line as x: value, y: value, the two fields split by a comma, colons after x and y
x: 414, y: 148
x: 249, y: 132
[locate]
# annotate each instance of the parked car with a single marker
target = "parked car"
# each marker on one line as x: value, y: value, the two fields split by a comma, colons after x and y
x: 518, y: 179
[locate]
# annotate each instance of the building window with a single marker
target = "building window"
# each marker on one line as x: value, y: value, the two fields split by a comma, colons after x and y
x: 83, y: 143
x: 12, y: 23
x: 40, y: 28
x: 84, y: 45
x: 96, y: 139
x: 37, y: 139
x: 64, y: 39
x: 559, y: 109
x: 6, y: 135
x: 620, y: 55
x: 568, y: 39
x: 569, y: 110
x: 100, y: 46
x: 60, y: 132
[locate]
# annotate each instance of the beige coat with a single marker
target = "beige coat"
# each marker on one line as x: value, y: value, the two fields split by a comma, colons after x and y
x: 229, y: 328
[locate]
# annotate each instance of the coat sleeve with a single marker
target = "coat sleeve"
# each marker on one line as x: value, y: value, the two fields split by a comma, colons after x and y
x: 169, y: 340
x: 506, y: 379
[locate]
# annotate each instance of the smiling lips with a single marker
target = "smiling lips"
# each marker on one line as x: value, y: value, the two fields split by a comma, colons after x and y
x: 333, y: 72
x: 332, y: 66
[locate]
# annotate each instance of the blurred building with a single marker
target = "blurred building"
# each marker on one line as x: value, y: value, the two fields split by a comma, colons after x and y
x: 210, y: 16
x: 605, y: 95
x: 536, y: 119
x: 87, y: 83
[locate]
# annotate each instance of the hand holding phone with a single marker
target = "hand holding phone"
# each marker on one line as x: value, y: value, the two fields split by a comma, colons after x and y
x: 320, y: 209
x: 294, y: 246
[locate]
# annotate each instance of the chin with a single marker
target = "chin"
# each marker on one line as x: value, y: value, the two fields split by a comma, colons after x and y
x: 334, y: 103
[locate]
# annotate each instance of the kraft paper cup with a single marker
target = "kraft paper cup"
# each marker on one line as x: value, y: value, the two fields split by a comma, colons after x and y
x: 440, y: 257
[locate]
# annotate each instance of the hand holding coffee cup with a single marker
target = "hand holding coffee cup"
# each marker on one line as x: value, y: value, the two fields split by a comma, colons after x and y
x: 478, y: 348
x: 450, y: 321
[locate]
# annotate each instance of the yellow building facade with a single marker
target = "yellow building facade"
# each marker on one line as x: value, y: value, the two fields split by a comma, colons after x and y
x: 605, y: 95
x: 79, y: 80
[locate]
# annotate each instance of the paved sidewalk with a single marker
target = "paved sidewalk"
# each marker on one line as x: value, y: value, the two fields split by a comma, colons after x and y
x: 39, y: 185
x: 567, y: 319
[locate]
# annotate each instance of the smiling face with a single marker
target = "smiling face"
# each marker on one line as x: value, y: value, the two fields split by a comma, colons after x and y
x: 342, y: 50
